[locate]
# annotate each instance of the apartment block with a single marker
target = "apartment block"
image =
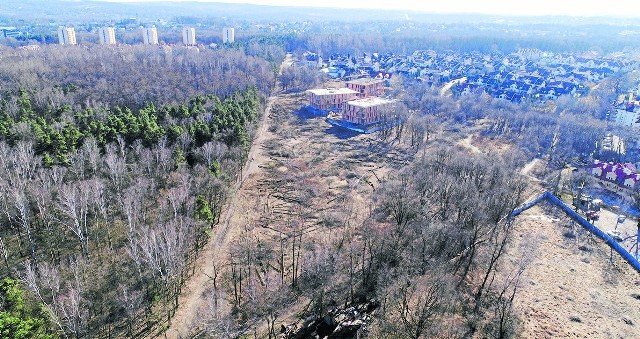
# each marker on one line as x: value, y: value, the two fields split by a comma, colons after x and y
x: 189, y: 36
x: 107, y: 35
x: 228, y: 35
x: 330, y: 99
x: 149, y: 35
x: 367, y: 111
x: 367, y: 87
x: 627, y: 113
x: 66, y: 35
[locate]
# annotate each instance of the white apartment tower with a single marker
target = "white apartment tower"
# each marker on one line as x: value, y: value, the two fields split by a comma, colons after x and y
x: 189, y: 36
x: 107, y: 35
x: 149, y: 35
x: 66, y: 35
x: 228, y: 35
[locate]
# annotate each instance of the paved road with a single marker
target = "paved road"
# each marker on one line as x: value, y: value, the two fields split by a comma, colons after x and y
x: 607, y: 222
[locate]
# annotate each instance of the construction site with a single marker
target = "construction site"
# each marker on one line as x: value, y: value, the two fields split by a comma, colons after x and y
x: 358, y: 107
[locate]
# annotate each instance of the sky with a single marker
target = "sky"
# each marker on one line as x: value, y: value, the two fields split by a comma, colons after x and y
x: 588, y: 8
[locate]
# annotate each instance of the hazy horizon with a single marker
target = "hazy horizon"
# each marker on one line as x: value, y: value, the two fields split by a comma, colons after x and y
x: 587, y: 8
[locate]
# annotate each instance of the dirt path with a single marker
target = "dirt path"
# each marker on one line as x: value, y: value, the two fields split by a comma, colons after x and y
x: 466, y: 143
x: 191, y: 301
x: 447, y: 87
x: 526, y: 170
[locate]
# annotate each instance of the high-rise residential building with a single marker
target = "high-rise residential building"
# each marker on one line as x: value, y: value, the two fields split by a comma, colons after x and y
x: 66, y: 35
x: 189, y: 36
x: 228, y: 35
x: 107, y: 35
x: 149, y: 35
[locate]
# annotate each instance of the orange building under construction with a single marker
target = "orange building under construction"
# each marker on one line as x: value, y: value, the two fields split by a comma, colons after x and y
x: 367, y: 111
x: 330, y: 99
x: 367, y: 87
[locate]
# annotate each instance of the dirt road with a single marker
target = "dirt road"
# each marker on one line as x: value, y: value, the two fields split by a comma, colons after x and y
x: 191, y: 302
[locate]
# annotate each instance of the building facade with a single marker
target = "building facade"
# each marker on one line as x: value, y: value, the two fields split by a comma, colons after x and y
x: 628, y: 115
x: 149, y: 35
x: 66, y: 35
x: 367, y: 87
x: 330, y: 99
x: 107, y: 35
x: 228, y: 35
x: 189, y: 36
x: 367, y: 111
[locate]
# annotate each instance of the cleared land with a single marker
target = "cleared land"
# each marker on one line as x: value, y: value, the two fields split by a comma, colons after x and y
x: 569, y: 287
x: 309, y: 180
x: 303, y: 178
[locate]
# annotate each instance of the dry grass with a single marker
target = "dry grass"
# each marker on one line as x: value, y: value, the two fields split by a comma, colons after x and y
x: 300, y: 172
x: 570, y: 288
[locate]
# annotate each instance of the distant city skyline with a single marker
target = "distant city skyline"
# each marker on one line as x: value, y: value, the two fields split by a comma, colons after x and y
x: 580, y: 8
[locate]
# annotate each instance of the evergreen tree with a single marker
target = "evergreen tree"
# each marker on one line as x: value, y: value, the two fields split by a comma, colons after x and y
x: 203, y: 211
x: 19, y: 318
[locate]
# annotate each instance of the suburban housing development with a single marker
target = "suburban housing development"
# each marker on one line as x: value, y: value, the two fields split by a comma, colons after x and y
x: 618, y: 178
x: 527, y: 75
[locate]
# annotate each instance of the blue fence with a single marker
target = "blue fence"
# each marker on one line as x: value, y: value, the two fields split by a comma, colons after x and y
x: 582, y: 222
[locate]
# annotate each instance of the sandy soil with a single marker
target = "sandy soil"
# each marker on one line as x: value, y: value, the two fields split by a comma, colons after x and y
x: 446, y: 89
x: 569, y: 288
x: 529, y: 166
x: 608, y: 221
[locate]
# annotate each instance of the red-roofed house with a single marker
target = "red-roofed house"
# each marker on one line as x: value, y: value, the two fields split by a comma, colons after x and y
x: 615, y: 177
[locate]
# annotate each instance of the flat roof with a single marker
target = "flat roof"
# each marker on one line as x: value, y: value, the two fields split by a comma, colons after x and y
x: 327, y: 91
x: 369, y: 102
x: 365, y: 81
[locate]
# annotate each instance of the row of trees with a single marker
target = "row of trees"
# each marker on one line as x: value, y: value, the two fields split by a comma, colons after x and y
x: 133, y: 76
x: 397, y: 37
x: 55, y: 134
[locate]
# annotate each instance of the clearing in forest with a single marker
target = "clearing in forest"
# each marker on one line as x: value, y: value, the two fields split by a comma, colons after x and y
x: 304, y: 178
